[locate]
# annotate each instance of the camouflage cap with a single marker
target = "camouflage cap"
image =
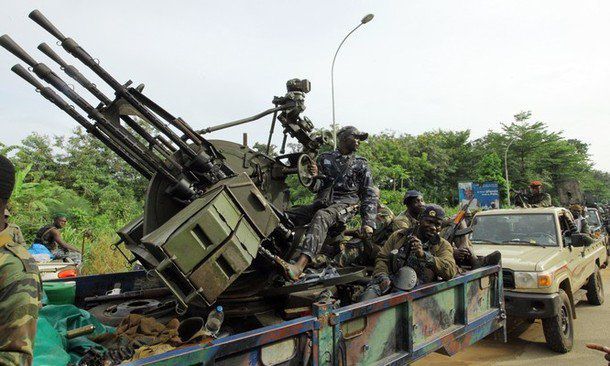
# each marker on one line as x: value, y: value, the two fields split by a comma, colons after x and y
x: 576, y: 208
x: 351, y: 130
x: 433, y: 211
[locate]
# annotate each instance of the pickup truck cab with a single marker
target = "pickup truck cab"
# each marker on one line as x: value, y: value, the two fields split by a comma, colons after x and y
x: 546, y: 268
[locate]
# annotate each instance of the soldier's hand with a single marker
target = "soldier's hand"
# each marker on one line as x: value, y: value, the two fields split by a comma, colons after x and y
x: 366, y: 231
x: 601, y: 348
x: 313, y: 169
x: 385, y: 284
x: 416, y: 246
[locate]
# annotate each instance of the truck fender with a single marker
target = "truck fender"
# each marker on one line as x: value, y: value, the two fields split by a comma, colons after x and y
x: 565, y: 285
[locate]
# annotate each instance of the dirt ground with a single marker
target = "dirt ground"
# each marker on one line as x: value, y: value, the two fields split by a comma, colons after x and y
x: 526, y: 345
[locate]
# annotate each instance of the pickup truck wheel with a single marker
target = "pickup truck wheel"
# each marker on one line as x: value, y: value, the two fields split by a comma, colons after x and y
x: 595, y: 289
x: 558, y: 330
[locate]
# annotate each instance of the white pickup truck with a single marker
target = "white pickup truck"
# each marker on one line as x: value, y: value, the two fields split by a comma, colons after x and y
x: 546, y: 268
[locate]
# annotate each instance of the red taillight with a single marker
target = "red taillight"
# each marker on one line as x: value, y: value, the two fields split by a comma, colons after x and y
x: 70, y: 272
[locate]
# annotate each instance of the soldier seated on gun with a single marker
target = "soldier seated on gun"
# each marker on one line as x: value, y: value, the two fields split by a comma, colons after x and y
x: 50, y: 237
x: 536, y: 197
x: 420, y: 249
x: 578, y: 212
x: 361, y: 251
x: 414, y: 201
x: 344, y: 183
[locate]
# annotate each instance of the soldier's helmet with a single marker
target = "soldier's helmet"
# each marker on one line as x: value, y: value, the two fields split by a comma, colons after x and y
x: 353, y: 131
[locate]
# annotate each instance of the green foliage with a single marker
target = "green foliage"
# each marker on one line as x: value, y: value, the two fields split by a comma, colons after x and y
x: 80, y: 177
x: 100, y: 193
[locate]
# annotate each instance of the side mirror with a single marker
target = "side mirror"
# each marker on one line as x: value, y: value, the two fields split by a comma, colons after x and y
x: 581, y: 240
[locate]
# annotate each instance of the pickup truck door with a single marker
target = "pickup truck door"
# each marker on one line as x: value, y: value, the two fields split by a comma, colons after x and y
x: 573, y: 254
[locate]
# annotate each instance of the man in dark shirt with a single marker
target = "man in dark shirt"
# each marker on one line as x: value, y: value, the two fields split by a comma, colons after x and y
x: 344, y: 185
x: 50, y: 237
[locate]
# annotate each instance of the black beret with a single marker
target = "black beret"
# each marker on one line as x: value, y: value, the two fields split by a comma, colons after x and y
x: 433, y: 211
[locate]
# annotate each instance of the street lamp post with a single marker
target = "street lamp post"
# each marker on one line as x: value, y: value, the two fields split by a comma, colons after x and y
x: 506, y: 170
x: 364, y: 20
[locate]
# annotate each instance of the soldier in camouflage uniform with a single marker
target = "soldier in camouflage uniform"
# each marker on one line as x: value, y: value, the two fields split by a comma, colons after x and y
x: 358, y: 251
x: 14, y: 230
x: 422, y: 249
x: 19, y: 286
x: 578, y: 212
x: 414, y: 201
x: 344, y: 184
x: 538, y: 198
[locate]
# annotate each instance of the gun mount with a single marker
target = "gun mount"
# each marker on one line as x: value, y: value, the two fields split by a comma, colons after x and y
x: 211, y: 206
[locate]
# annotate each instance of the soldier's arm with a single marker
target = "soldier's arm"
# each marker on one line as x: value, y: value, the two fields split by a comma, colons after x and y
x: 368, y: 198
x: 322, y: 170
x: 18, y: 311
x: 382, y: 261
x: 58, y: 239
x: 443, y: 264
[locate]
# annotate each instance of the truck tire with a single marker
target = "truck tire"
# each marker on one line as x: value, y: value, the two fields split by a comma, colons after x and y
x: 595, y: 289
x: 559, y: 330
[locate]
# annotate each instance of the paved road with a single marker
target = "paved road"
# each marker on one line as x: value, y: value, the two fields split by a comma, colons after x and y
x: 528, y: 348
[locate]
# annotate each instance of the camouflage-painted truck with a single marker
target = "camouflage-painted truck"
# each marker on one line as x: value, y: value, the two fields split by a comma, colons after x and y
x: 214, y: 230
x: 395, y: 329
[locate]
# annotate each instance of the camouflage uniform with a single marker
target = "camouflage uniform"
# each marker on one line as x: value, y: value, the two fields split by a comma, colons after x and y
x: 19, y: 302
x: 361, y: 252
x: 404, y: 221
x: 347, y: 183
x: 541, y: 199
x: 16, y: 234
x: 438, y: 258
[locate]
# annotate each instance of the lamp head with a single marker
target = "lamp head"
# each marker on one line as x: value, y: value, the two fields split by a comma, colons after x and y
x: 367, y: 18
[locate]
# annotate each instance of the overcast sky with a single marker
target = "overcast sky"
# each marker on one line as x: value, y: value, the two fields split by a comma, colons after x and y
x: 417, y: 66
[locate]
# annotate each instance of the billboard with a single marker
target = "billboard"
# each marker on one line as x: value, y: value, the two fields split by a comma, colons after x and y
x: 484, y: 195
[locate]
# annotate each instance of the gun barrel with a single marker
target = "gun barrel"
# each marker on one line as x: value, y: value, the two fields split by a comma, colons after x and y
x: 51, y: 96
x: 47, y: 50
x: 123, y: 137
x: 12, y: 46
x: 39, y: 18
x: 77, y: 51
x: 73, y: 72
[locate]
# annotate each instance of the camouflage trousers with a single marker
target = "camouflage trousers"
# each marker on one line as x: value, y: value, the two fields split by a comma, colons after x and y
x: 19, y: 304
x: 321, y: 219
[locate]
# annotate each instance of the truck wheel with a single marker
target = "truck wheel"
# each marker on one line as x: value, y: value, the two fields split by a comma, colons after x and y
x: 595, y: 289
x: 558, y: 330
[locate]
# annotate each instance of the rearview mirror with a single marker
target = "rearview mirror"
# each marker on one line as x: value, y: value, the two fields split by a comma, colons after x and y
x: 581, y: 240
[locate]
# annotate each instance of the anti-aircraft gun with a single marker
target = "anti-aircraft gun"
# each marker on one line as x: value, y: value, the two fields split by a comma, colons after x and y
x: 212, y: 206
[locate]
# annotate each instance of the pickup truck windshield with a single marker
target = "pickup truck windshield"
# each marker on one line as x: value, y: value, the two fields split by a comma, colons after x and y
x: 530, y: 229
x: 592, y: 218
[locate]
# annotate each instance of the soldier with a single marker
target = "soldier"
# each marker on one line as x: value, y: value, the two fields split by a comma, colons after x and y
x: 538, y: 198
x: 50, y: 237
x: 14, y: 230
x: 19, y: 286
x: 582, y: 226
x: 420, y: 248
x: 344, y: 184
x: 362, y: 251
x: 414, y: 201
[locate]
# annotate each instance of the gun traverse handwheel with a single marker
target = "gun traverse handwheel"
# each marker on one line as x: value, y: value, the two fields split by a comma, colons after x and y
x: 303, y: 170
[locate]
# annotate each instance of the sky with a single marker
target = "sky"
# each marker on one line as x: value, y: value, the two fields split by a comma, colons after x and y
x: 417, y: 66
